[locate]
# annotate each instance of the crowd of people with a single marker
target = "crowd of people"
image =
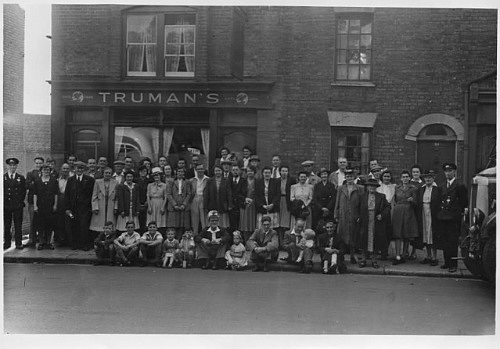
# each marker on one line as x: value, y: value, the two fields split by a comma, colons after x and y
x: 175, y: 215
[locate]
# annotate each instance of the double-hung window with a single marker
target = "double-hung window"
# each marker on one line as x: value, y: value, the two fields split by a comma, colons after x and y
x: 160, y: 45
x: 353, y: 48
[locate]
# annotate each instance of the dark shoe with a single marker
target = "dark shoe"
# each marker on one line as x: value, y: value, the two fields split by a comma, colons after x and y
x: 112, y: 263
x: 256, y: 267
x: 158, y: 264
x: 342, y: 268
x: 40, y: 247
x: 362, y: 264
x: 425, y: 261
x: 96, y: 263
x: 353, y: 260
x: 375, y: 265
x: 6, y: 247
x: 444, y: 266
x: 50, y: 246
x: 452, y: 270
x: 333, y: 269
x: 412, y: 257
x: 20, y: 247
x: 265, y: 269
x: 29, y: 244
x: 434, y: 262
x: 85, y: 249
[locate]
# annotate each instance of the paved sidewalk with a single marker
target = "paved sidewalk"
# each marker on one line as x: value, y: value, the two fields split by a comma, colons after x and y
x: 65, y: 255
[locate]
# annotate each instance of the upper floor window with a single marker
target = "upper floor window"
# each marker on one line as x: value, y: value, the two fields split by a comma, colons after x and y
x: 159, y: 45
x: 353, y: 61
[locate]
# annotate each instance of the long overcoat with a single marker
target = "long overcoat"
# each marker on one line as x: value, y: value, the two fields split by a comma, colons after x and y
x: 348, y: 212
x: 383, y: 208
x: 106, y: 212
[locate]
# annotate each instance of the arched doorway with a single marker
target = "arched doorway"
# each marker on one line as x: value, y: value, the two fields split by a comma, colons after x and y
x: 436, y: 145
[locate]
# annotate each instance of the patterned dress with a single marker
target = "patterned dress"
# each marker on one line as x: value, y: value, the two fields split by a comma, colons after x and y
x: 404, y: 221
x: 157, y: 196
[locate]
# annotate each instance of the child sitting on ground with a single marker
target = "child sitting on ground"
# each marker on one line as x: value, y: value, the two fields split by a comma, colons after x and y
x: 235, y: 256
x: 307, y: 241
x: 170, y: 248
x: 104, y: 244
x: 186, y: 254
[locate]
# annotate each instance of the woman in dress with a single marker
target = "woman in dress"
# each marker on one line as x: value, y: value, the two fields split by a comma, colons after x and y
x: 388, y: 189
x: 375, y: 211
x: 285, y: 217
x: 303, y: 192
x: 45, y: 206
x: 348, y: 211
x: 157, y: 199
x: 104, y: 201
x: 428, y: 203
x: 417, y: 181
x: 248, y: 215
x: 128, y: 203
x: 404, y: 221
x: 178, y: 204
x: 267, y: 197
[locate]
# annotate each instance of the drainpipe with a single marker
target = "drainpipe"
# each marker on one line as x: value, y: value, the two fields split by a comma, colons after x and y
x: 466, y: 137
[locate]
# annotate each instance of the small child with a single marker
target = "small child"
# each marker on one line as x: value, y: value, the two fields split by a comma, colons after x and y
x: 170, y: 248
x: 186, y: 253
x: 235, y: 256
x: 307, y: 241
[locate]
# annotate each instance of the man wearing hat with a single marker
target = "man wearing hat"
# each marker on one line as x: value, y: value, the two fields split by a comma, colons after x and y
x: 323, y: 202
x: 118, y: 175
x: 375, y: 173
x: 14, y: 186
x: 312, y: 179
x: 255, y: 161
x: 453, y: 202
x: 77, y: 202
x: 263, y: 244
x: 226, y: 169
x: 31, y: 177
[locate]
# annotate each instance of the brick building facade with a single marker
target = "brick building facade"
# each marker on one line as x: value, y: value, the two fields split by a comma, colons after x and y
x: 303, y: 82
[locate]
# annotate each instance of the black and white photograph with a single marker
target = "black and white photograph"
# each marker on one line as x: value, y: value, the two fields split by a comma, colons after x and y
x: 250, y: 174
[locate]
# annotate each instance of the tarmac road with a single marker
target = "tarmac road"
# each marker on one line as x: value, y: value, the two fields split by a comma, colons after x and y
x: 83, y: 299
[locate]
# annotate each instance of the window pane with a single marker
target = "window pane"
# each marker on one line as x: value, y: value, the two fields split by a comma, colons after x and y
x: 342, y: 41
x: 86, y: 144
x: 353, y: 72
x: 142, y: 58
x: 137, y: 142
x: 366, y: 26
x: 183, y: 19
x: 141, y: 29
x: 342, y: 26
x: 365, y: 72
x: 180, y: 45
x: 341, y: 56
x: 365, y: 57
x: 352, y: 140
x: 354, y: 26
x: 354, y: 42
x: 342, y: 72
x: 366, y: 41
x: 353, y: 56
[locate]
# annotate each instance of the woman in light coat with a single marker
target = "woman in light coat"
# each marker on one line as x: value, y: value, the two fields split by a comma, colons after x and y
x: 104, y: 201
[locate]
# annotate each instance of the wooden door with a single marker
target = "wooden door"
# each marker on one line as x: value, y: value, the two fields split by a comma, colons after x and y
x: 431, y: 155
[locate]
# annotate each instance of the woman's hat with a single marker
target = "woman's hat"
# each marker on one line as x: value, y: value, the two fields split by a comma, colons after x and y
x: 376, y: 168
x: 254, y: 157
x: 213, y: 213
x: 307, y: 163
x: 80, y: 164
x: 349, y: 171
x: 236, y: 234
x: 156, y: 170
x: 372, y: 182
x: 323, y: 170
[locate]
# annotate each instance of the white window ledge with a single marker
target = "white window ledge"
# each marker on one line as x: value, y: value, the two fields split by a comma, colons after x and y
x: 353, y: 83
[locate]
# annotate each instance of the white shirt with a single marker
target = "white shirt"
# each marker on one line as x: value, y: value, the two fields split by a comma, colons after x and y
x: 62, y: 184
x: 214, y: 232
x: 450, y: 182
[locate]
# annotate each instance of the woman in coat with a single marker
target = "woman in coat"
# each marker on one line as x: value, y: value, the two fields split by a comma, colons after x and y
x: 428, y: 203
x: 375, y: 211
x: 178, y: 204
x: 348, y: 211
x: 248, y: 215
x: 104, y: 201
x: 128, y: 202
x: 217, y: 196
x: 267, y: 197
x: 404, y: 221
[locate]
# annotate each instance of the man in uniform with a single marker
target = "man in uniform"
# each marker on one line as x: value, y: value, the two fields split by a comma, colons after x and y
x: 14, y: 186
x: 454, y: 201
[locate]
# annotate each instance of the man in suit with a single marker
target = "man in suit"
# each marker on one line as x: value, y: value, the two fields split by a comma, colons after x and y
x: 14, y: 186
x: 91, y: 167
x: 263, y: 244
x: 118, y: 175
x: 244, y: 162
x: 324, y: 195
x: 454, y: 201
x: 63, y: 224
x: 195, y: 161
x: 102, y: 163
x: 239, y: 193
x: 276, y: 162
x: 78, y: 205
x: 31, y: 177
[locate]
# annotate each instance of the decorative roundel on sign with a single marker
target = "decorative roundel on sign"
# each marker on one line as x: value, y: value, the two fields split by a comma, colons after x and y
x: 242, y: 98
x: 77, y: 96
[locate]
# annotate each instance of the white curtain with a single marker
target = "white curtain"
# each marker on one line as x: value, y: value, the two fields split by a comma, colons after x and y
x: 205, y: 139
x: 119, y: 133
x: 168, y: 136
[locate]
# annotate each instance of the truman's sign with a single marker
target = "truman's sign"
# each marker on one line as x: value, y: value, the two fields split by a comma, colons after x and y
x: 166, y: 98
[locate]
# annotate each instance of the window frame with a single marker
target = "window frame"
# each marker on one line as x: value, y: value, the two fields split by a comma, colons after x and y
x: 337, y: 48
x: 160, y: 13
x: 334, y: 151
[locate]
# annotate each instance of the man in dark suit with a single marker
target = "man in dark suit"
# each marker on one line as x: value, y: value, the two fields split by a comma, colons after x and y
x: 323, y: 202
x: 14, y: 186
x: 239, y: 193
x: 77, y: 201
x: 453, y: 203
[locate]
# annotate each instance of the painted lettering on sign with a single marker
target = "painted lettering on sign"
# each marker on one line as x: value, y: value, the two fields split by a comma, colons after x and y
x: 159, y: 98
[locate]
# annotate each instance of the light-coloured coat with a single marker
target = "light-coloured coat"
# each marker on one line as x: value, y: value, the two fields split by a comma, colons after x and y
x: 106, y: 212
